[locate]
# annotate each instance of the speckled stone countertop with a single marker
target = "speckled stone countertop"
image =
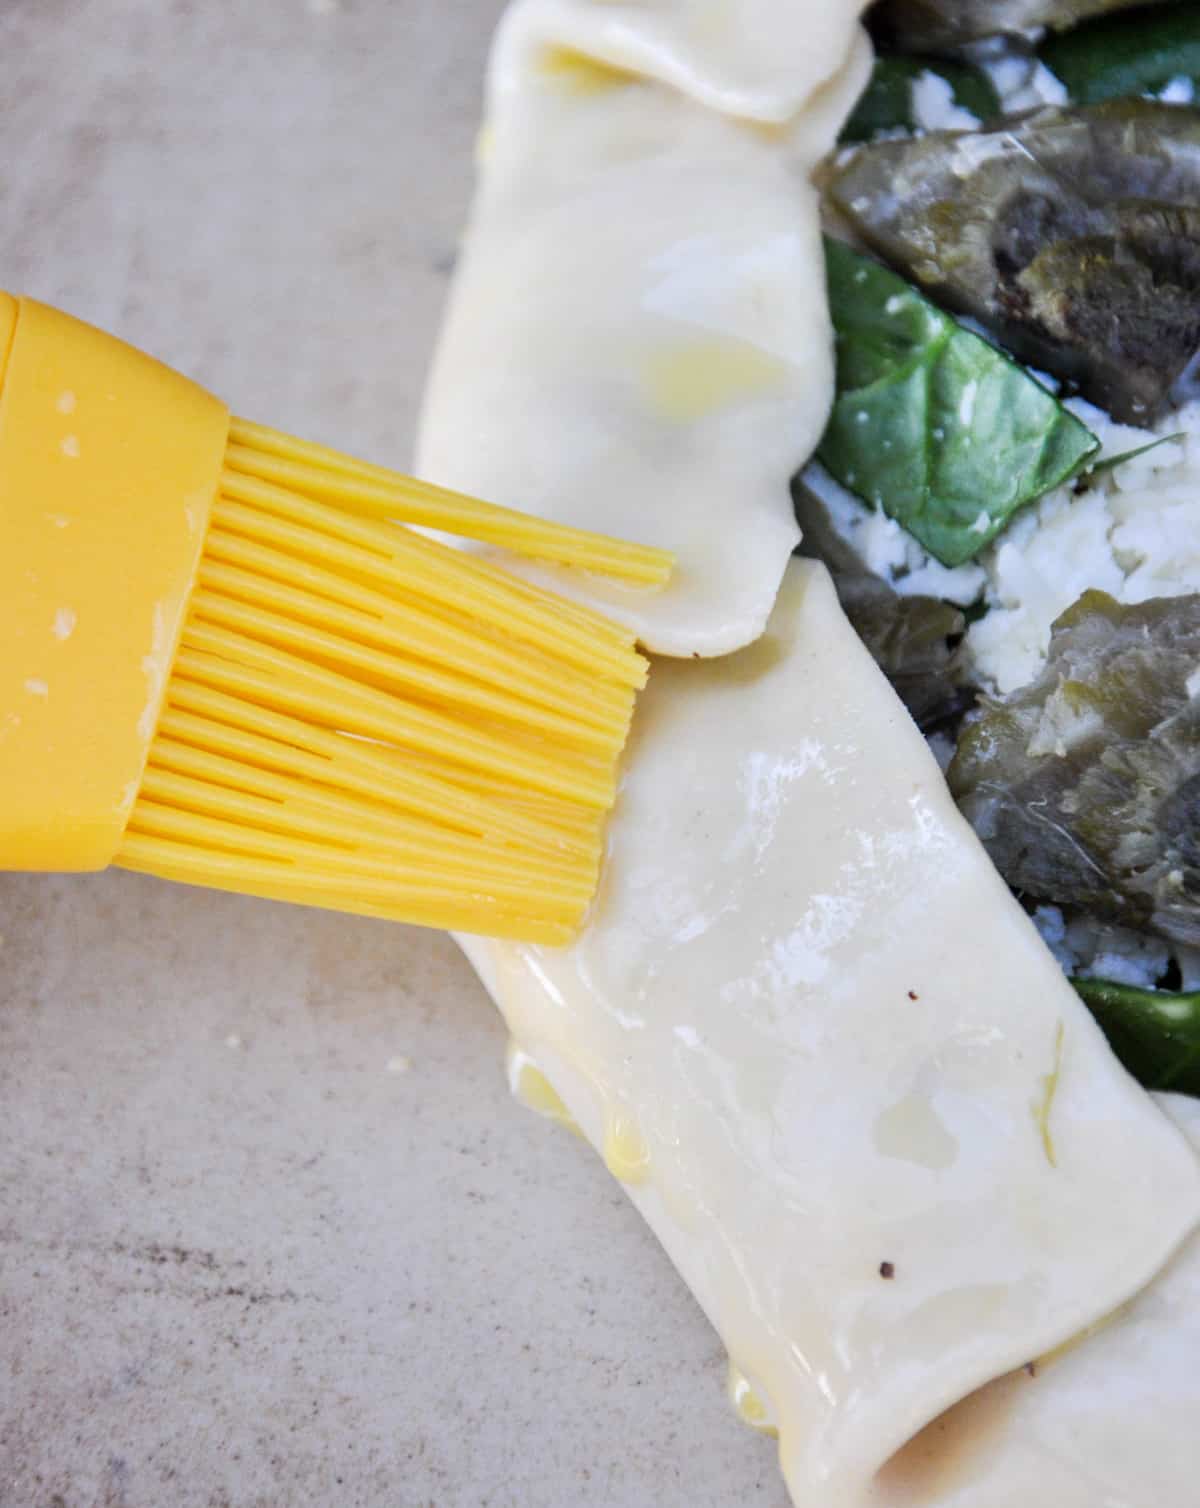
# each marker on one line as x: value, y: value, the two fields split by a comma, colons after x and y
x: 272, y: 1232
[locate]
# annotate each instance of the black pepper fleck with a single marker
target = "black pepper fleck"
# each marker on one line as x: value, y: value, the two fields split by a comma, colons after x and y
x: 912, y: 995
x: 887, y: 1269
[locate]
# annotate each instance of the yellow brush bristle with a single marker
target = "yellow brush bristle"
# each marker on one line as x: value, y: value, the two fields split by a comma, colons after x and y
x: 362, y: 718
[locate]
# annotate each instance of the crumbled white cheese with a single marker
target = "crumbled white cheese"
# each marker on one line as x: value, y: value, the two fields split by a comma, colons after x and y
x: 1178, y: 91
x: 889, y: 550
x: 934, y: 107
x: 941, y: 746
x: 1051, y: 924
x: 1134, y: 532
x: 1091, y: 948
x: 1022, y: 83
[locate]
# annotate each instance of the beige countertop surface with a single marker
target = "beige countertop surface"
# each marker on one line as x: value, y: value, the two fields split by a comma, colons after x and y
x: 271, y: 1230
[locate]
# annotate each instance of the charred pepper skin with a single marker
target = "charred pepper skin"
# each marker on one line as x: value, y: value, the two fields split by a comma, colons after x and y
x: 917, y: 24
x: 1072, y: 235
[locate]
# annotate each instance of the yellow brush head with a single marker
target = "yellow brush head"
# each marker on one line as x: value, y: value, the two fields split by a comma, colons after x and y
x: 295, y: 694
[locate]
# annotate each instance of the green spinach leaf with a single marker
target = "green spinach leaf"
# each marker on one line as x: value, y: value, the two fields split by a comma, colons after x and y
x: 1071, y: 235
x: 932, y: 424
x: 1110, y: 462
x: 887, y: 103
x: 1133, y: 52
x: 1155, y: 1033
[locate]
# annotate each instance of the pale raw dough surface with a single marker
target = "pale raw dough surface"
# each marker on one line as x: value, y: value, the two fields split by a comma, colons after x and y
x: 1111, y: 1420
x: 773, y: 1030
x: 733, y: 1027
x: 636, y: 297
x: 275, y: 1273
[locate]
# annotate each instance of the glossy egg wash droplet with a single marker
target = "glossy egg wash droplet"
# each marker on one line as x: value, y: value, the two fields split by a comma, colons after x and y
x: 531, y: 1088
x: 626, y: 1155
x: 749, y: 1403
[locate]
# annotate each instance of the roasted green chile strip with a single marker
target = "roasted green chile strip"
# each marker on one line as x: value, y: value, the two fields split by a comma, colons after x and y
x: 1155, y: 1033
x: 919, y: 24
x: 930, y: 423
x: 1084, y: 786
x: 1133, y: 52
x: 1073, y: 235
x: 916, y: 640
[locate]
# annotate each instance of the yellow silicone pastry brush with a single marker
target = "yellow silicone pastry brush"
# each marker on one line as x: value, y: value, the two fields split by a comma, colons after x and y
x: 226, y: 658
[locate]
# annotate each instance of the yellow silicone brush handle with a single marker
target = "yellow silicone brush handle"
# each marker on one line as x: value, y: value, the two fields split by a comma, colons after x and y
x: 109, y: 464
